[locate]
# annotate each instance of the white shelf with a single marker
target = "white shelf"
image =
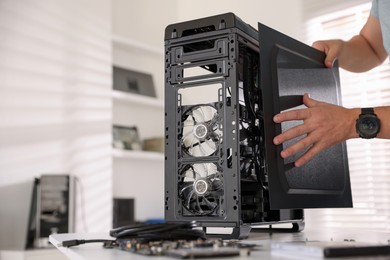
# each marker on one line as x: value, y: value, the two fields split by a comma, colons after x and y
x: 137, y: 99
x: 134, y: 44
x: 137, y: 155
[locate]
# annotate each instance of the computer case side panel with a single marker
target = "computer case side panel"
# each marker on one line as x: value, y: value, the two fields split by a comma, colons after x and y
x: 288, y: 70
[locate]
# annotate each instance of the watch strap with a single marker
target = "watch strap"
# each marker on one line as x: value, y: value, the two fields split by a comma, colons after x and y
x: 368, y: 111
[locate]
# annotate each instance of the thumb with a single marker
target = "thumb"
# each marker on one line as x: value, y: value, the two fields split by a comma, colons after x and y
x: 331, y: 53
x: 330, y: 58
x: 309, y: 102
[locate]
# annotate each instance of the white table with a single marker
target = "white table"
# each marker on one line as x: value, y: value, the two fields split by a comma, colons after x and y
x: 263, y: 239
x: 33, y: 254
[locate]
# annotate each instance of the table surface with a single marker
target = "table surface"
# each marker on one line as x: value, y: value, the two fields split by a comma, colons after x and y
x: 264, y: 239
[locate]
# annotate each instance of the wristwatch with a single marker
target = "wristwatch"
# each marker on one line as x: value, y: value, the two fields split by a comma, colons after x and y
x: 368, y: 124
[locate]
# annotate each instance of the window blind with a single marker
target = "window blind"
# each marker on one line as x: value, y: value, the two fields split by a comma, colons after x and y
x: 369, y: 160
x: 55, y: 99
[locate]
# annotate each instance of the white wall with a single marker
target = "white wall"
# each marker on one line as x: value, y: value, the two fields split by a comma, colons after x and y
x: 285, y: 16
x: 55, y: 101
x: 315, y: 8
x: 144, y: 22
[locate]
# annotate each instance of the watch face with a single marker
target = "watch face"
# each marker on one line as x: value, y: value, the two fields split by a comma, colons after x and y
x: 368, y: 126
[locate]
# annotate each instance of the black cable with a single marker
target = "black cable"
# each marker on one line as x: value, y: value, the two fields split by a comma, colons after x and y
x: 167, y: 230
x: 146, y: 232
x: 76, y: 242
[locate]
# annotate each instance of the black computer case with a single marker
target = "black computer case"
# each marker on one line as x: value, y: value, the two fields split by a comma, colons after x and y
x: 224, y: 81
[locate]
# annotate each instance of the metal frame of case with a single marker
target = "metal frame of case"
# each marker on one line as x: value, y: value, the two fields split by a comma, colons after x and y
x: 219, y: 177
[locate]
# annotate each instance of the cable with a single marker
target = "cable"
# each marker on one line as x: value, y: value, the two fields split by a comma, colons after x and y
x: 161, y: 230
x: 142, y: 233
x: 76, y: 242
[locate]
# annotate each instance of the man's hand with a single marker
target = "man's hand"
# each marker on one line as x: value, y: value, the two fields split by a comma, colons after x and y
x: 361, y: 53
x: 331, y: 48
x: 324, y: 125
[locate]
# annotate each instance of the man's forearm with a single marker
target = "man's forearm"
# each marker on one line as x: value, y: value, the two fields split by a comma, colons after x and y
x: 364, y: 51
x: 357, y: 55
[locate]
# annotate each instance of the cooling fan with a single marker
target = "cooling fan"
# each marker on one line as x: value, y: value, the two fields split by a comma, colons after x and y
x: 201, y: 134
x: 201, y: 189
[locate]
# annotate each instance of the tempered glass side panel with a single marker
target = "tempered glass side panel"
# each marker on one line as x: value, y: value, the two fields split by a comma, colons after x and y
x: 289, y: 69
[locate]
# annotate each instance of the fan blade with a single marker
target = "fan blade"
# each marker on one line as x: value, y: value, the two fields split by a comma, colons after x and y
x: 198, y: 204
x: 210, y: 176
x: 188, y: 123
x: 216, y: 194
x: 215, y: 135
x: 214, y: 120
x: 185, y: 137
x: 191, y: 144
x: 211, y: 144
x: 209, y: 112
x: 205, y: 113
x: 211, y: 168
x: 200, y: 170
x: 205, y: 170
x: 197, y: 116
x: 195, y: 168
x: 185, y: 188
x: 187, y: 131
x: 212, y: 205
x: 197, y: 150
x: 205, y: 147
x: 217, y: 185
x: 189, y: 198
x: 190, y: 174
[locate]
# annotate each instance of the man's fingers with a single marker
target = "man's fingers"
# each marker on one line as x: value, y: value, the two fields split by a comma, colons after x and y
x: 331, y: 53
x: 291, y: 134
x: 297, y: 147
x: 329, y: 61
x: 309, y: 143
x: 311, y: 127
x: 309, y: 102
x: 315, y: 149
x: 299, y: 114
x: 319, y: 45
